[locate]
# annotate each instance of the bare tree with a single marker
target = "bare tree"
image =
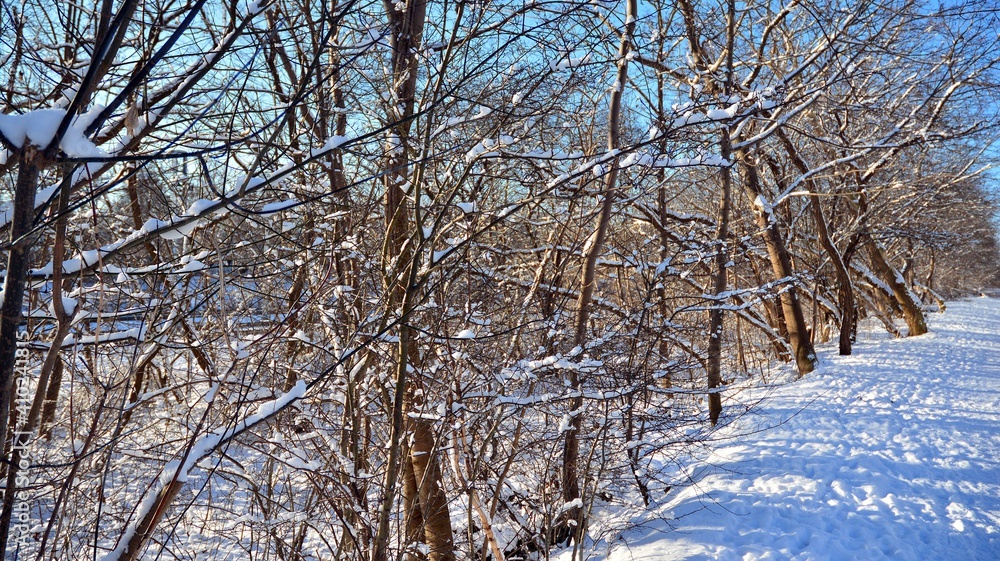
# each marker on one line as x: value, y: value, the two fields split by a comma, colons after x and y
x: 370, y: 280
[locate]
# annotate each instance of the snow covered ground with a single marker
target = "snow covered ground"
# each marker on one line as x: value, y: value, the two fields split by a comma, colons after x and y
x: 892, y: 453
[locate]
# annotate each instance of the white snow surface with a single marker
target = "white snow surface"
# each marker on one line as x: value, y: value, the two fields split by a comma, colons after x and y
x: 40, y: 127
x: 891, y: 453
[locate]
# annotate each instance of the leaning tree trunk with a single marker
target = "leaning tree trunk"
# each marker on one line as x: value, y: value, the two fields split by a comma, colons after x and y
x: 50, y: 373
x: 910, y: 306
x: 781, y: 263
x: 845, y: 287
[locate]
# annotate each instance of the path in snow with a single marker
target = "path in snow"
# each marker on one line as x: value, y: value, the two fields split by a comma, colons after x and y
x: 892, y: 453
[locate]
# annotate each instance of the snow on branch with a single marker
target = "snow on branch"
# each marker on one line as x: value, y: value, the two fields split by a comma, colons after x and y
x: 177, y: 471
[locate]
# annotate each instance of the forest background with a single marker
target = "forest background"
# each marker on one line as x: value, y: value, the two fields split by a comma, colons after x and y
x: 439, y: 280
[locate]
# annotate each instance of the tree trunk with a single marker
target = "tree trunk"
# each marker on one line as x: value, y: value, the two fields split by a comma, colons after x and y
x: 781, y: 263
x: 909, y: 305
x: 845, y: 289
x: 426, y: 509
x: 413, y: 515
x: 433, y: 503
x: 51, y: 401
x: 18, y: 259
x: 715, y: 314
x: 573, y: 523
x: 144, y: 528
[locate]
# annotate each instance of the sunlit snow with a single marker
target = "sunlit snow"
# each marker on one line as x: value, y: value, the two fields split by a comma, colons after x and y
x: 891, y: 453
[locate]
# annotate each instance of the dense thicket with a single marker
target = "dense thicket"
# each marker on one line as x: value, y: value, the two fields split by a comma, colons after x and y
x: 446, y: 280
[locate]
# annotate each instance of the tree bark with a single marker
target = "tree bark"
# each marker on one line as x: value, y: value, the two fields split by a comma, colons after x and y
x: 573, y: 523
x: 45, y: 389
x: 413, y: 515
x: 144, y: 528
x: 715, y: 314
x: 781, y: 263
x: 425, y: 503
x: 18, y: 259
x: 909, y: 305
x: 433, y: 503
x: 845, y: 288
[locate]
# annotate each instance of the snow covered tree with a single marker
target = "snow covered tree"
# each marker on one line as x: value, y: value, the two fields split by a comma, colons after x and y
x: 440, y: 280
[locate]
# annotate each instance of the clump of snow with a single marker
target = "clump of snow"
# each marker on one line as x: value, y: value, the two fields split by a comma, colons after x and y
x: 689, y: 118
x: 198, y: 207
x: 485, y: 148
x: 69, y: 306
x: 272, y: 208
x: 761, y: 203
x: 330, y: 145
x: 192, y: 266
x: 575, y: 503
x: 252, y: 182
x: 39, y: 127
x: 721, y: 114
x: 86, y: 259
x: 240, y: 348
x: 567, y: 62
x: 255, y: 7
x: 441, y: 254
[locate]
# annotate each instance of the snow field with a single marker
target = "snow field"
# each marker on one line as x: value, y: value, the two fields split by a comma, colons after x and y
x: 892, y: 453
